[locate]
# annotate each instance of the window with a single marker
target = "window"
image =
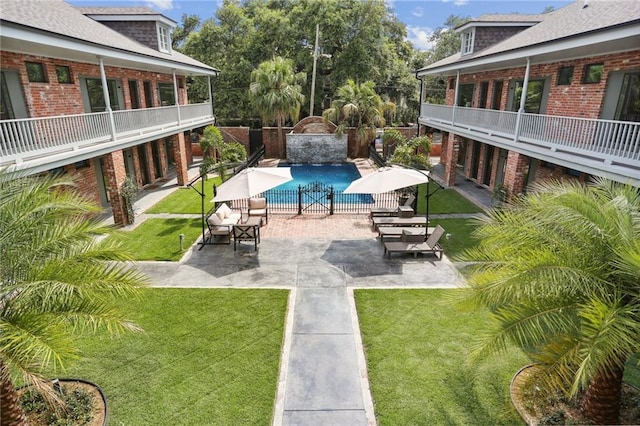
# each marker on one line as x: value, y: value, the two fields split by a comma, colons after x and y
x: 565, y: 75
x: 496, y: 101
x: 593, y: 73
x: 96, y: 94
x: 467, y: 42
x: 465, y: 94
x: 484, y: 93
x: 35, y: 72
x: 164, y: 43
x: 64, y: 74
x: 535, y: 92
x: 166, y: 94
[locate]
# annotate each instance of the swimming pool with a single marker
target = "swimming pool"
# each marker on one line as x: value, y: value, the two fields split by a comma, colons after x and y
x: 338, y: 175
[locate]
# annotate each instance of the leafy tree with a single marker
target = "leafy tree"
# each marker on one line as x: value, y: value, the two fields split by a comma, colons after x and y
x: 414, y: 153
x: 55, y: 281
x: 188, y: 25
x: 276, y: 93
x: 211, y: 143
x: 559, y: 270
x: 359, y: 40
x: 358, y: 106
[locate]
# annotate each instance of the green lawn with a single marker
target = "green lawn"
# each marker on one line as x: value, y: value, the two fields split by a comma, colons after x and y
x: 187, y: 200
x: 207, y: 356
x: 461, y: 235
x: 159, y: 239
x: 444, y: 201
x: 416, y: 346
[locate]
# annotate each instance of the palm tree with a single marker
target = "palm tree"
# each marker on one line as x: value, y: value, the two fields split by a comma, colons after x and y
x: 358, y: 106
x: 277, y: 93
x: 55, y: 281
x: 559, y: 270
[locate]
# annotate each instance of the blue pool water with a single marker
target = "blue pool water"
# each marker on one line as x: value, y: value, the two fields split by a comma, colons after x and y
x: 338, y: 175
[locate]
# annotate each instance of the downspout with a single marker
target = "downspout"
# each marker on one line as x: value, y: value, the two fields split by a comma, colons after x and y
x: 175, y: 94
x: 213, y: 108
x: 420, y: 101
x: 523, y: 100
x: 455, y: 98
x: 107, y: 100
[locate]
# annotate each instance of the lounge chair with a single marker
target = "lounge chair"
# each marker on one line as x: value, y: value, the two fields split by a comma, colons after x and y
x: 258, y: 207
x: 387, y: 211
x: 394, y: 233
x: 379, y: 222
x: 431, y: 245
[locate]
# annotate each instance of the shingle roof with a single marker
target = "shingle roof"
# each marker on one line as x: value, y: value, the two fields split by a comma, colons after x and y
x: 571, y: 21
x: 60, y: 18
x: 100, y: 10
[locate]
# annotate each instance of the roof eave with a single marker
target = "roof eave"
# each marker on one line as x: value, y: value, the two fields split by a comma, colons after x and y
x: 622, y: 38
x: 27, y: 40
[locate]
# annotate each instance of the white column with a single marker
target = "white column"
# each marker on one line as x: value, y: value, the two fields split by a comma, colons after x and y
x: 107, y: 99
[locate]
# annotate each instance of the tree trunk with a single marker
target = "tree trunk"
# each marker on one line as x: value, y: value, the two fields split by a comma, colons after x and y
x: 601, y: 401
x: 11, y: 412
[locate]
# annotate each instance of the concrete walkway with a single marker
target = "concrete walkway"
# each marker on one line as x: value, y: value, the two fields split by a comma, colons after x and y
x: 323, y: 378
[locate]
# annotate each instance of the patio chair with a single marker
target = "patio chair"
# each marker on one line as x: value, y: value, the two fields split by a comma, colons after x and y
x: 246, y: 232
x: 258, y: 207
x: 431, y: 245
x: 387, y: 211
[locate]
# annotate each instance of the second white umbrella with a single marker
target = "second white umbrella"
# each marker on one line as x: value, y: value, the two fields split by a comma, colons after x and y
x: 252, y: 181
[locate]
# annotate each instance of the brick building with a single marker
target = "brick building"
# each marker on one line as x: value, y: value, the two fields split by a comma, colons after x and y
x: 535, y: 96
x: 98, y: 93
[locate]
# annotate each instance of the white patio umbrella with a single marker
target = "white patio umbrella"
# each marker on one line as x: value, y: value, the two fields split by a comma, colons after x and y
x: 252, y: 181
x: 386, y: 179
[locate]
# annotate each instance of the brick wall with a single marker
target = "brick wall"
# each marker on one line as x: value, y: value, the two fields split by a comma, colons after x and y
x: 236, y: 134
x: 574, y: 100
x: 53, y: 98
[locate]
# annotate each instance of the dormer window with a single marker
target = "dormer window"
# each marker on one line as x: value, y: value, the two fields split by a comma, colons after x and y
x: 164, y: 42
x: 467, y: 42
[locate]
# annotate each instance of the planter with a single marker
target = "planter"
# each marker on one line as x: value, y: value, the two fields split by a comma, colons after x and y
x: 100, y: 412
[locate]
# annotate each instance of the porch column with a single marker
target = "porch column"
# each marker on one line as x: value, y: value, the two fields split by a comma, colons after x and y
x: 455, y: 98
x: 451, y: 154
x: 213, y: 108
x: 107, y: 99
x: 523, y: 101
x: 175, y: 94
x: 115, y: 173
x: 515, y: 172
x: 151, y: 165
x: 180, y: 156
x: 162, y: 152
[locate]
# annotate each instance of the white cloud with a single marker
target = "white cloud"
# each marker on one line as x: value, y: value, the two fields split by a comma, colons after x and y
x: 160, y: 4
x: 457, y: 2
x: 418, y: 12
x: 419, y: 37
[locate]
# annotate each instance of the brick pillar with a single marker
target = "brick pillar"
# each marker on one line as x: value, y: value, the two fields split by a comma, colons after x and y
x: 162, y: 152
x: 180, y: 156
x: 450, y: 166
x: 136, y: 166
x: 443, y: 147
x: 514, y: 174
x: 150, y: 163
x: 115, y: 173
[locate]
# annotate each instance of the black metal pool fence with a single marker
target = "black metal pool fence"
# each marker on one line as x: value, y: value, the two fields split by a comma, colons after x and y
x: 318, y: 198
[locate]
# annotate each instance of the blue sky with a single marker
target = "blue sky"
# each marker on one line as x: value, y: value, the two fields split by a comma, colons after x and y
x: 421, y: 17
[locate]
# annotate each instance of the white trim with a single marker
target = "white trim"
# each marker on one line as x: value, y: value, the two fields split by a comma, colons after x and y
x: 132, y: 18
x: 472, y: 24
x: 467, y: 39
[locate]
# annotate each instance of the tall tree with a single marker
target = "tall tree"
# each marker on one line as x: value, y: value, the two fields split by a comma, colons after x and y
x: 358, y: 106
x: 277, y: 93
x: 559, y: 271
x: 55, y: 281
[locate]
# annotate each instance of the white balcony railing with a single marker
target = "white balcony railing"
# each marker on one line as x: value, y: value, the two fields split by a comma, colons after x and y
x: 607, y: 140
x: 38, y: 137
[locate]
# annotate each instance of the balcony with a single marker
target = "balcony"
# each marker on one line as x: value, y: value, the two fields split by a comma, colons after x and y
x: 38, y: 144
x: 600, y: 147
